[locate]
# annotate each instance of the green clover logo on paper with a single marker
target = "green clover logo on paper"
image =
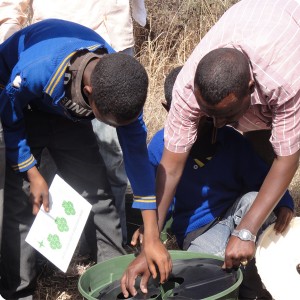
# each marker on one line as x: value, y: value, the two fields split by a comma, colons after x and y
x: 54, y: 241
x: 62, y: 224
x: 69, y: 208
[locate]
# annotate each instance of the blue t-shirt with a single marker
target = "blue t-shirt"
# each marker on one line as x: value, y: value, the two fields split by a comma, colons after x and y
x: 210, y: 184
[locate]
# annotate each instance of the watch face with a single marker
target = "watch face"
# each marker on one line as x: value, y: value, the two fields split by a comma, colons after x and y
x: 245, y: 235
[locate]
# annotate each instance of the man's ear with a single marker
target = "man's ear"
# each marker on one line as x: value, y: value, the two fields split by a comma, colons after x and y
x: 87, y: 90
x: 251, y: 86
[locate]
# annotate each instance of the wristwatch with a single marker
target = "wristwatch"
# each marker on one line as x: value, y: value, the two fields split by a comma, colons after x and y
x: 244, y: 235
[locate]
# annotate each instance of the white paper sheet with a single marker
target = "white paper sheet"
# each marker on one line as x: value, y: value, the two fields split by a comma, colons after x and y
x: 56, y: 234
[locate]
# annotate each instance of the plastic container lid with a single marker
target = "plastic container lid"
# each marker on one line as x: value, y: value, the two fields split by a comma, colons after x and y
x: 194, y: 276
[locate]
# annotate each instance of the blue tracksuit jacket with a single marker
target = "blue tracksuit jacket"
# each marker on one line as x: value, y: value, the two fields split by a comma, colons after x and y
x: 32, y: 66
x: 209, y: 187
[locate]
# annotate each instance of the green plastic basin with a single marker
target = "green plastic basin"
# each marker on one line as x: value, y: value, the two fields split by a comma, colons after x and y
x: 101, y: 275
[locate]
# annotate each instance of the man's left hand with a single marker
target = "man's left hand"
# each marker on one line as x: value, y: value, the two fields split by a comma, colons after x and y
x: 284, y: 217
x: 238, y: 251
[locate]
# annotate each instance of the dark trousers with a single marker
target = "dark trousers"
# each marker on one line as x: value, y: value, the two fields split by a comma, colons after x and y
x: 74, y: 149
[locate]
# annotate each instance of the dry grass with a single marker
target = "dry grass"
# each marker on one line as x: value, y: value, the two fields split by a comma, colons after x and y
x: 54, y: 284
x: 174, y: 28
x: 295, y: 191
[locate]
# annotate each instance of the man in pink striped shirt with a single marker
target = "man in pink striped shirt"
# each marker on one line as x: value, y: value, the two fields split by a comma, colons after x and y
x: 252, y: 81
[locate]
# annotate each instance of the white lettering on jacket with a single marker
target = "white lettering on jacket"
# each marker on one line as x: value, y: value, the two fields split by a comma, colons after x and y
x: 76, y: 108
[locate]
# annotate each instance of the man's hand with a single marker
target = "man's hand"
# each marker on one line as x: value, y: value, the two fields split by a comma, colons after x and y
x: 284, y: 217
x: 237, y: 251
x: 39, y: 192
x: 137, y: 267
x: 153, y: 258
x: 274, y: 186
x: 158, y: 256
x: 138, y: 236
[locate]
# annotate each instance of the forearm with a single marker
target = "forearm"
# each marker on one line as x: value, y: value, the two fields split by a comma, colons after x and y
x: 168, y: 176
x: 165, y: 194
x: 151, y: 229
x: 33, y: 174
x: 273, y: 188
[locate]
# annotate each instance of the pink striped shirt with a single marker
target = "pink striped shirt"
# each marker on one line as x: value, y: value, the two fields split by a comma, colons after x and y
x: 268, y: 33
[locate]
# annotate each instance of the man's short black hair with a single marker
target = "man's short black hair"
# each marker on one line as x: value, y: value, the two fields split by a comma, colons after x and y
x: 120, y: 85
x: 221, y: 72
x: 169, y: 84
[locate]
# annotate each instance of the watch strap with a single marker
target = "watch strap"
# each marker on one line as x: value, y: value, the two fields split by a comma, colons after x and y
x: 244, y: 235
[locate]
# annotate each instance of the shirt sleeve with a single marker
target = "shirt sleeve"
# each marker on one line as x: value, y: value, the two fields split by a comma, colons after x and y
x: 17, y: 149
x: 183, y: 117
x: 286, y: 126
x: 139, y: 12
x: 13, y: 16
x: 141, y: 175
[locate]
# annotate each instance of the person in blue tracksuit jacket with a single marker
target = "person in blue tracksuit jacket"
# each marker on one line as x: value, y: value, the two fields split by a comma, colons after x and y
x: 55, y: 77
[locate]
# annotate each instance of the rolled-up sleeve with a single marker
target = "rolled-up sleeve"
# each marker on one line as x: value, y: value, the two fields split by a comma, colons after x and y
x: 18, y: 152
x: 286, y: 126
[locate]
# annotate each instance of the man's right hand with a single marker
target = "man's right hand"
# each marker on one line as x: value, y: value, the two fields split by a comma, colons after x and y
x: 158, y: 258
x: 39, y: 192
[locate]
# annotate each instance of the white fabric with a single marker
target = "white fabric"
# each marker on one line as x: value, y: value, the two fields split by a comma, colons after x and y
x: 109, y: 18
x: 139, y: 12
